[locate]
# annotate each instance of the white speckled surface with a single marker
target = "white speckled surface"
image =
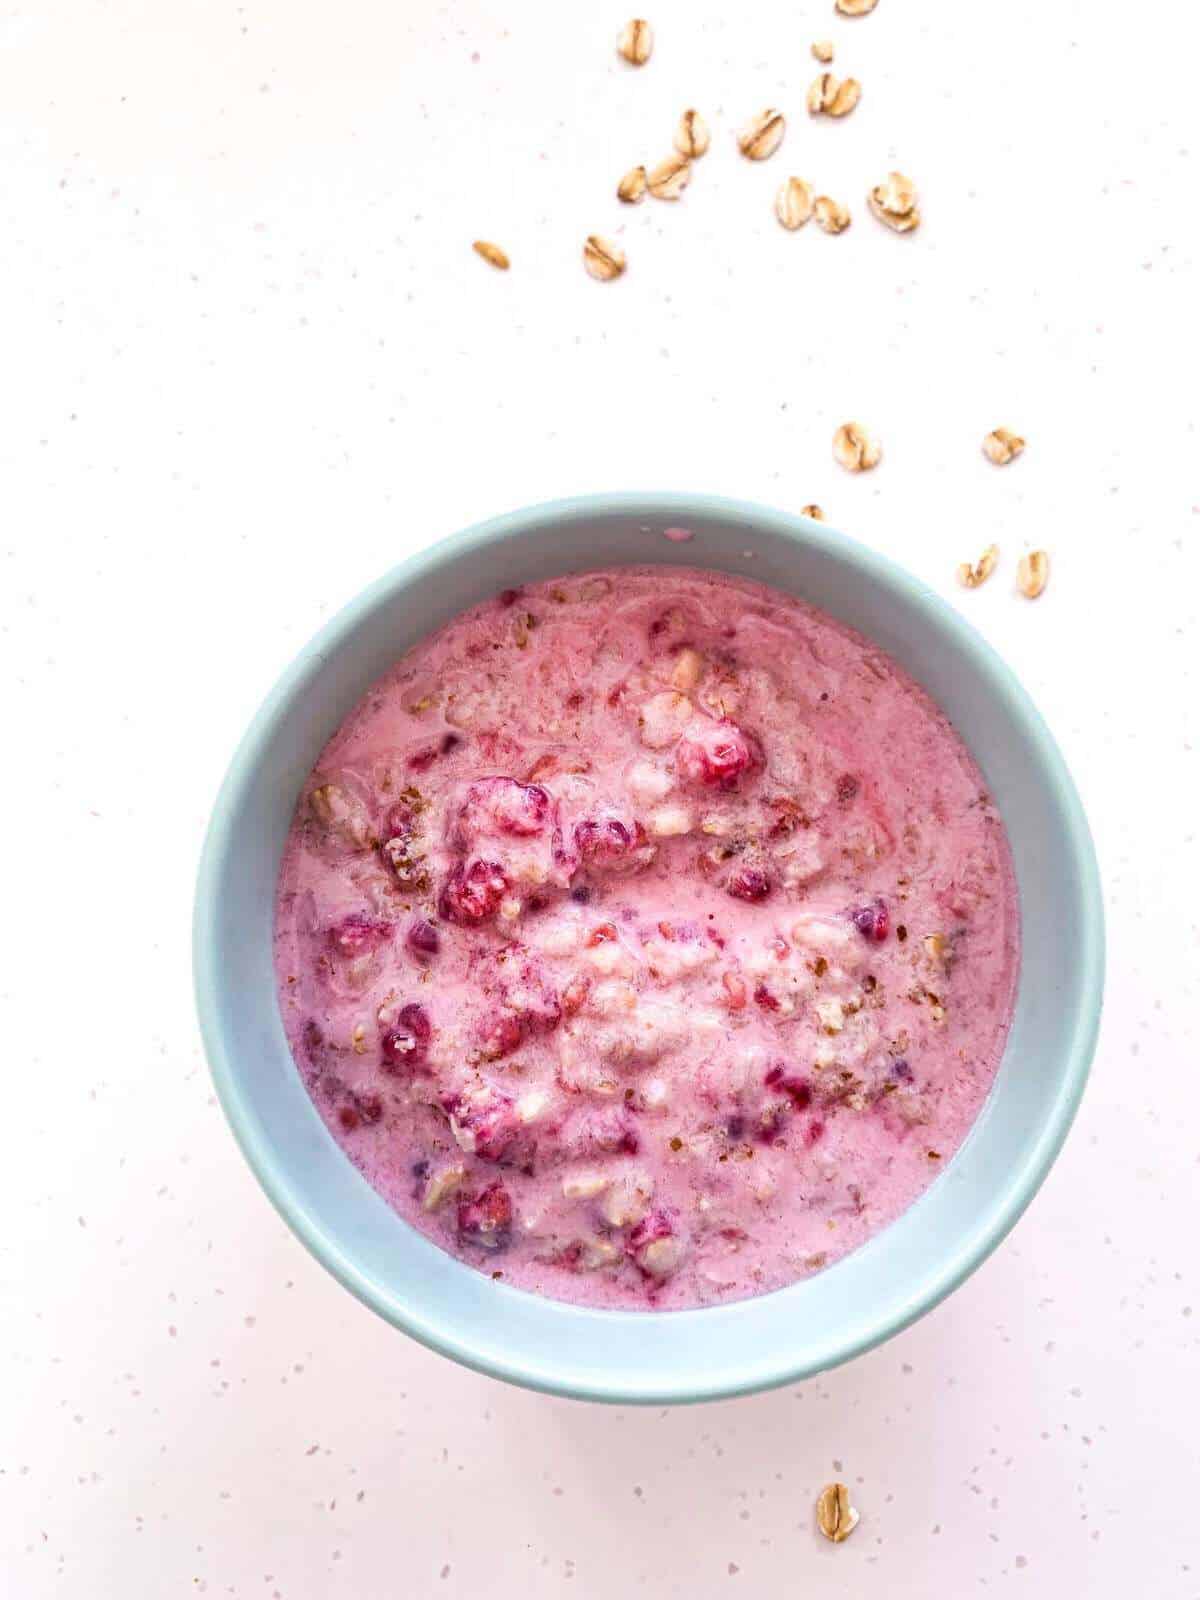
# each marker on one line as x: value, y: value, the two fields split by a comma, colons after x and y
x: 250, y: 360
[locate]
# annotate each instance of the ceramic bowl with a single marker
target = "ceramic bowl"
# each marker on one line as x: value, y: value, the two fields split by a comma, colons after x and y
x: 679, y: 1355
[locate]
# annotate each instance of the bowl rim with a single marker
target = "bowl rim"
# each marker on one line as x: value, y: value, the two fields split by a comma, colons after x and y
x: 1000, y: 681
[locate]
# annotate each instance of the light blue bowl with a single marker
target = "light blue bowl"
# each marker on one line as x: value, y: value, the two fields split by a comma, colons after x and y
x: 680, y: 1355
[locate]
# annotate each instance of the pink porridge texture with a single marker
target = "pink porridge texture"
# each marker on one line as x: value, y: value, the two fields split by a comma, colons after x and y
x: 647, y: 939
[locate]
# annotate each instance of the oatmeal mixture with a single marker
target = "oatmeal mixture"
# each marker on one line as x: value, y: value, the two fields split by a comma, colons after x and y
x: 647, y: 938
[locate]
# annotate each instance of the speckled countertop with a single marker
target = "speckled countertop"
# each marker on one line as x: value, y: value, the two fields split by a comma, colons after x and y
x: 250, y: 361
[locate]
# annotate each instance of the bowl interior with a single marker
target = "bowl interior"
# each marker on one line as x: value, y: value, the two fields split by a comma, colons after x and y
x: 683, y: 1355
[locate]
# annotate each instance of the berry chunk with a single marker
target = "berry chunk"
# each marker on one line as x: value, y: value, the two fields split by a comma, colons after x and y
x: 594, y: 1133
x: 715, y: 755
x: 526, y: 1003
x: 772, y: 1118
x: 421, y: 760
x: 796, y: 1089
x: 499, y: 807
x: 423, y: 938
x: 602, y: 841
x: 574, y: 994
x: 359, y: 1110
x: 472, y: 894
x: 533, y: 999
x: 786, y: 817
x: 416, y: 1019
x: 485, y: 1219
x: 748, y: 883
x: 399, y: 820
x: 872, y: 921
x: 312, y: 1042
x: 358, y: 935
x: 404, y: 1046
x: 500, y: 1034
x: 370, y: 1107
x: 483, y: 1121
x: 614, y: 1134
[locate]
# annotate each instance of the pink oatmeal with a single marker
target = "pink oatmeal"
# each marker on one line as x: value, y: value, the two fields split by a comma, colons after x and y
x: 647, y: 938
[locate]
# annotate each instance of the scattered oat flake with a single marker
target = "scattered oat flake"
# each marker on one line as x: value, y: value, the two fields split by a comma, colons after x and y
x: 691, y: 136
x: 632, y: 187
x: 492, y: 254
x: 763, y: 135
x: 669, y: 178
x: 794, y: 203
x: 814, y: 512
x: 855, y: 8
x: 836, y: 1517
x: 831, y: 215
x: 823, y: 49
x: 1033, y: 573
x: 972, y: 576
x: 827, y: 96
x: 1002, y: 446
x: 894, y: 203
x: 603, y: 259
x: 855, y: 448
x: 636, y: 41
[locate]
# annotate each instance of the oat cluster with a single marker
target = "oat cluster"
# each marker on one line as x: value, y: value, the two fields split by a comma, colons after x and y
x: 833, y: 97
x: 893, y: 202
